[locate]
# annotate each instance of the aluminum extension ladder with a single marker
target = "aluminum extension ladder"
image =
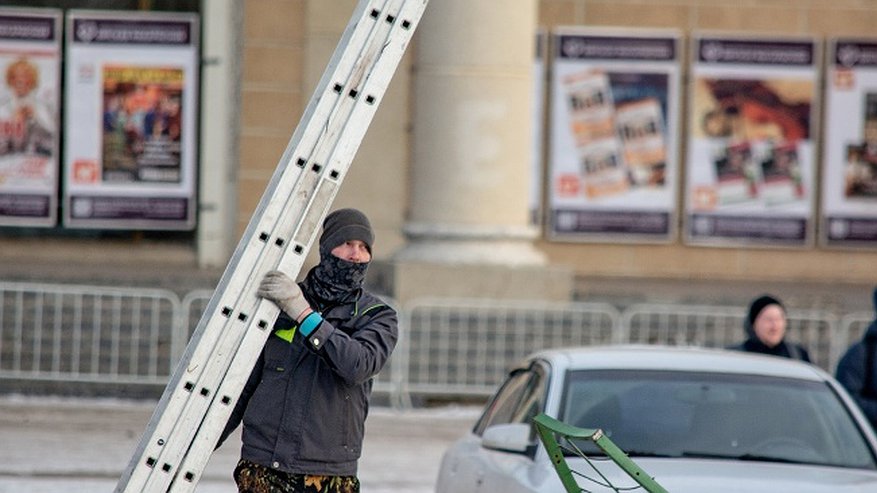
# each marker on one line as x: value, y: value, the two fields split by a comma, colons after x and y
x: 206, y: 384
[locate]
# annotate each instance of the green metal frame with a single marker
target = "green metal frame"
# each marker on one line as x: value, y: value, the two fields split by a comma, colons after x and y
x: 549, y: 429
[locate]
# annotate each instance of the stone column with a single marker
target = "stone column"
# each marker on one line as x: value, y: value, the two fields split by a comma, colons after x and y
x: 471, y: 150
x: 220, y: 98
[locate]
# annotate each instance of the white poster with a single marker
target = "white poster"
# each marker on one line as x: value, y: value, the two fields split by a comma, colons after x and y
x: 131, y: 93
x: 614, y: 133
x: 751, y: 160
x: 30, y: 60
x: 849, y: 171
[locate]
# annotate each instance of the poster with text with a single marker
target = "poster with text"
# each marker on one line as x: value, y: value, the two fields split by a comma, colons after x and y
x: 614, y: 132
x: 849, y: 170
x: 131, y: 87
x: 30, y: 60
x: 751, y: 161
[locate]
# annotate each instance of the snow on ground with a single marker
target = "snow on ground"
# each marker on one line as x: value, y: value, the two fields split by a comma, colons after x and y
x: 70, y: 445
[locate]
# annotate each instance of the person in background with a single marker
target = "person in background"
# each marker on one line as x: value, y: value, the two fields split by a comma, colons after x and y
x: 857, y: 370
x: 306, y: 401
x: 765, y: 326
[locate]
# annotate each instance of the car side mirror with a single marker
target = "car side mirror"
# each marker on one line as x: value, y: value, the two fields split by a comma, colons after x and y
x: 509, y: 437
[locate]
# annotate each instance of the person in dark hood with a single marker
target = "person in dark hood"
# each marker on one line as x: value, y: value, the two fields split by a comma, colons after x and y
x: 857, y: 370
x: 765, y: 326
x: 306, y: 401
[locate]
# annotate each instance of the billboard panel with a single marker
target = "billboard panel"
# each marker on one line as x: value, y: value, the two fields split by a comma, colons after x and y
x: 750, y: 171
x: 849, y: 168
x: 30, y: 60
x: 131, y: 92
x: 614, y: 131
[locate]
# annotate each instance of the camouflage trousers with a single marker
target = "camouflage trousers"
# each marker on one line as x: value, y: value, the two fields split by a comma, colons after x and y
x: 254, y: 478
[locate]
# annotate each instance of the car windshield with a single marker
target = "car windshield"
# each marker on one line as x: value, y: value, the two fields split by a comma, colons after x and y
x: 744, y: 417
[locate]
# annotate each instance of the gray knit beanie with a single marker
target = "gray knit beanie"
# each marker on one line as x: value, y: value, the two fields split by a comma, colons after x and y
x: 345, y: 225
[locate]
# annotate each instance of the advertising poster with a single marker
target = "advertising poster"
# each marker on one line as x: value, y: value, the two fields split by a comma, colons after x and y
x: 751, y: 160
x: 614, y: 131
x: 131, y: 98
x: 849, y: 172
x: 30, y: 60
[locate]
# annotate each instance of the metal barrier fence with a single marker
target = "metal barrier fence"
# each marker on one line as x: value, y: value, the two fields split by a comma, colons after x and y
x: 465, y: 347
x: 446, y: 348
x: 86, y: 333
x: 193, y: 305
x: 719, y: 327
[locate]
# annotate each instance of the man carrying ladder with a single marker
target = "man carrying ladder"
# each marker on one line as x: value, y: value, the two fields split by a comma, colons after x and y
x: 227, y: 345
x: 305, y: 404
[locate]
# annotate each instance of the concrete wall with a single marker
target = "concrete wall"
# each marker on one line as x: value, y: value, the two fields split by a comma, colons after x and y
x: 272, y: 93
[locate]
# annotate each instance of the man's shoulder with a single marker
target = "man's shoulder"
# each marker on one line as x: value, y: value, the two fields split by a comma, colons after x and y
x: 370, y: 301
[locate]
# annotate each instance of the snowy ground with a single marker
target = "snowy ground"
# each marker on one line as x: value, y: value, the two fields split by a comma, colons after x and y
x: 54, y: 445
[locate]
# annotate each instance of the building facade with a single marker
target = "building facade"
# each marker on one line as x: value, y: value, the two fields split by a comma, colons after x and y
x: 444, y: 171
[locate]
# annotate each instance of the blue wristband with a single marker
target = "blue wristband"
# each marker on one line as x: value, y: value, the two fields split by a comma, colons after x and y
x: 309, y: 323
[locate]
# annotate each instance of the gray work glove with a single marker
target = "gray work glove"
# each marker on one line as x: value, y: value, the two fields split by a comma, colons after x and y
x: 284, y: 292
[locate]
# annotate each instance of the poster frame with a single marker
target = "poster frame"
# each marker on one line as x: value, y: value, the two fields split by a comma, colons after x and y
x: 169, y: 202
x: 42, y: 197
x: 660, y: 225
x: 776, y: 222
x: 857, y: 57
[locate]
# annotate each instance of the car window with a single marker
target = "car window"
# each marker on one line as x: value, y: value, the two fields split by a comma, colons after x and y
x: 518, y: 399
x: 716, y: 415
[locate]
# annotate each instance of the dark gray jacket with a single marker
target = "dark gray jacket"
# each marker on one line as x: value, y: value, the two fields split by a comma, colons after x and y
x: 857, y: 371
x: 305, y: 403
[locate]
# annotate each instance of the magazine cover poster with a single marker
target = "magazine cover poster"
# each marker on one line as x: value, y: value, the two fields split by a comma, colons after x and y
x: 640, y: 125
x: 751, y: 162
x: 849, y: 172
x: 142, y: 124
x: 602, y: 170
x: 736, y: 174
x: 590, y: 110
x: 613, y: 135
x: 130, y: 120
x: 30, y: 58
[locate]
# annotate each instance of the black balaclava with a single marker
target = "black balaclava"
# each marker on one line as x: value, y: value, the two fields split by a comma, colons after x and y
x: 333, y: 280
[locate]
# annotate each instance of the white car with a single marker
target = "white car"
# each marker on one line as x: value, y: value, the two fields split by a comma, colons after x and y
x: 693, y: 419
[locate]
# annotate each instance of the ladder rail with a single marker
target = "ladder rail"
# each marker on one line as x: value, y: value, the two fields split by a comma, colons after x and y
x: 218, y: 415
x: 202, y: 371
x: 203, y: 391
x: 219, y: 411
x: 230, y: 334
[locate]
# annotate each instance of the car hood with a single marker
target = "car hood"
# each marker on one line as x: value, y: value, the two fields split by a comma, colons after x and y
x: 723, y: 476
